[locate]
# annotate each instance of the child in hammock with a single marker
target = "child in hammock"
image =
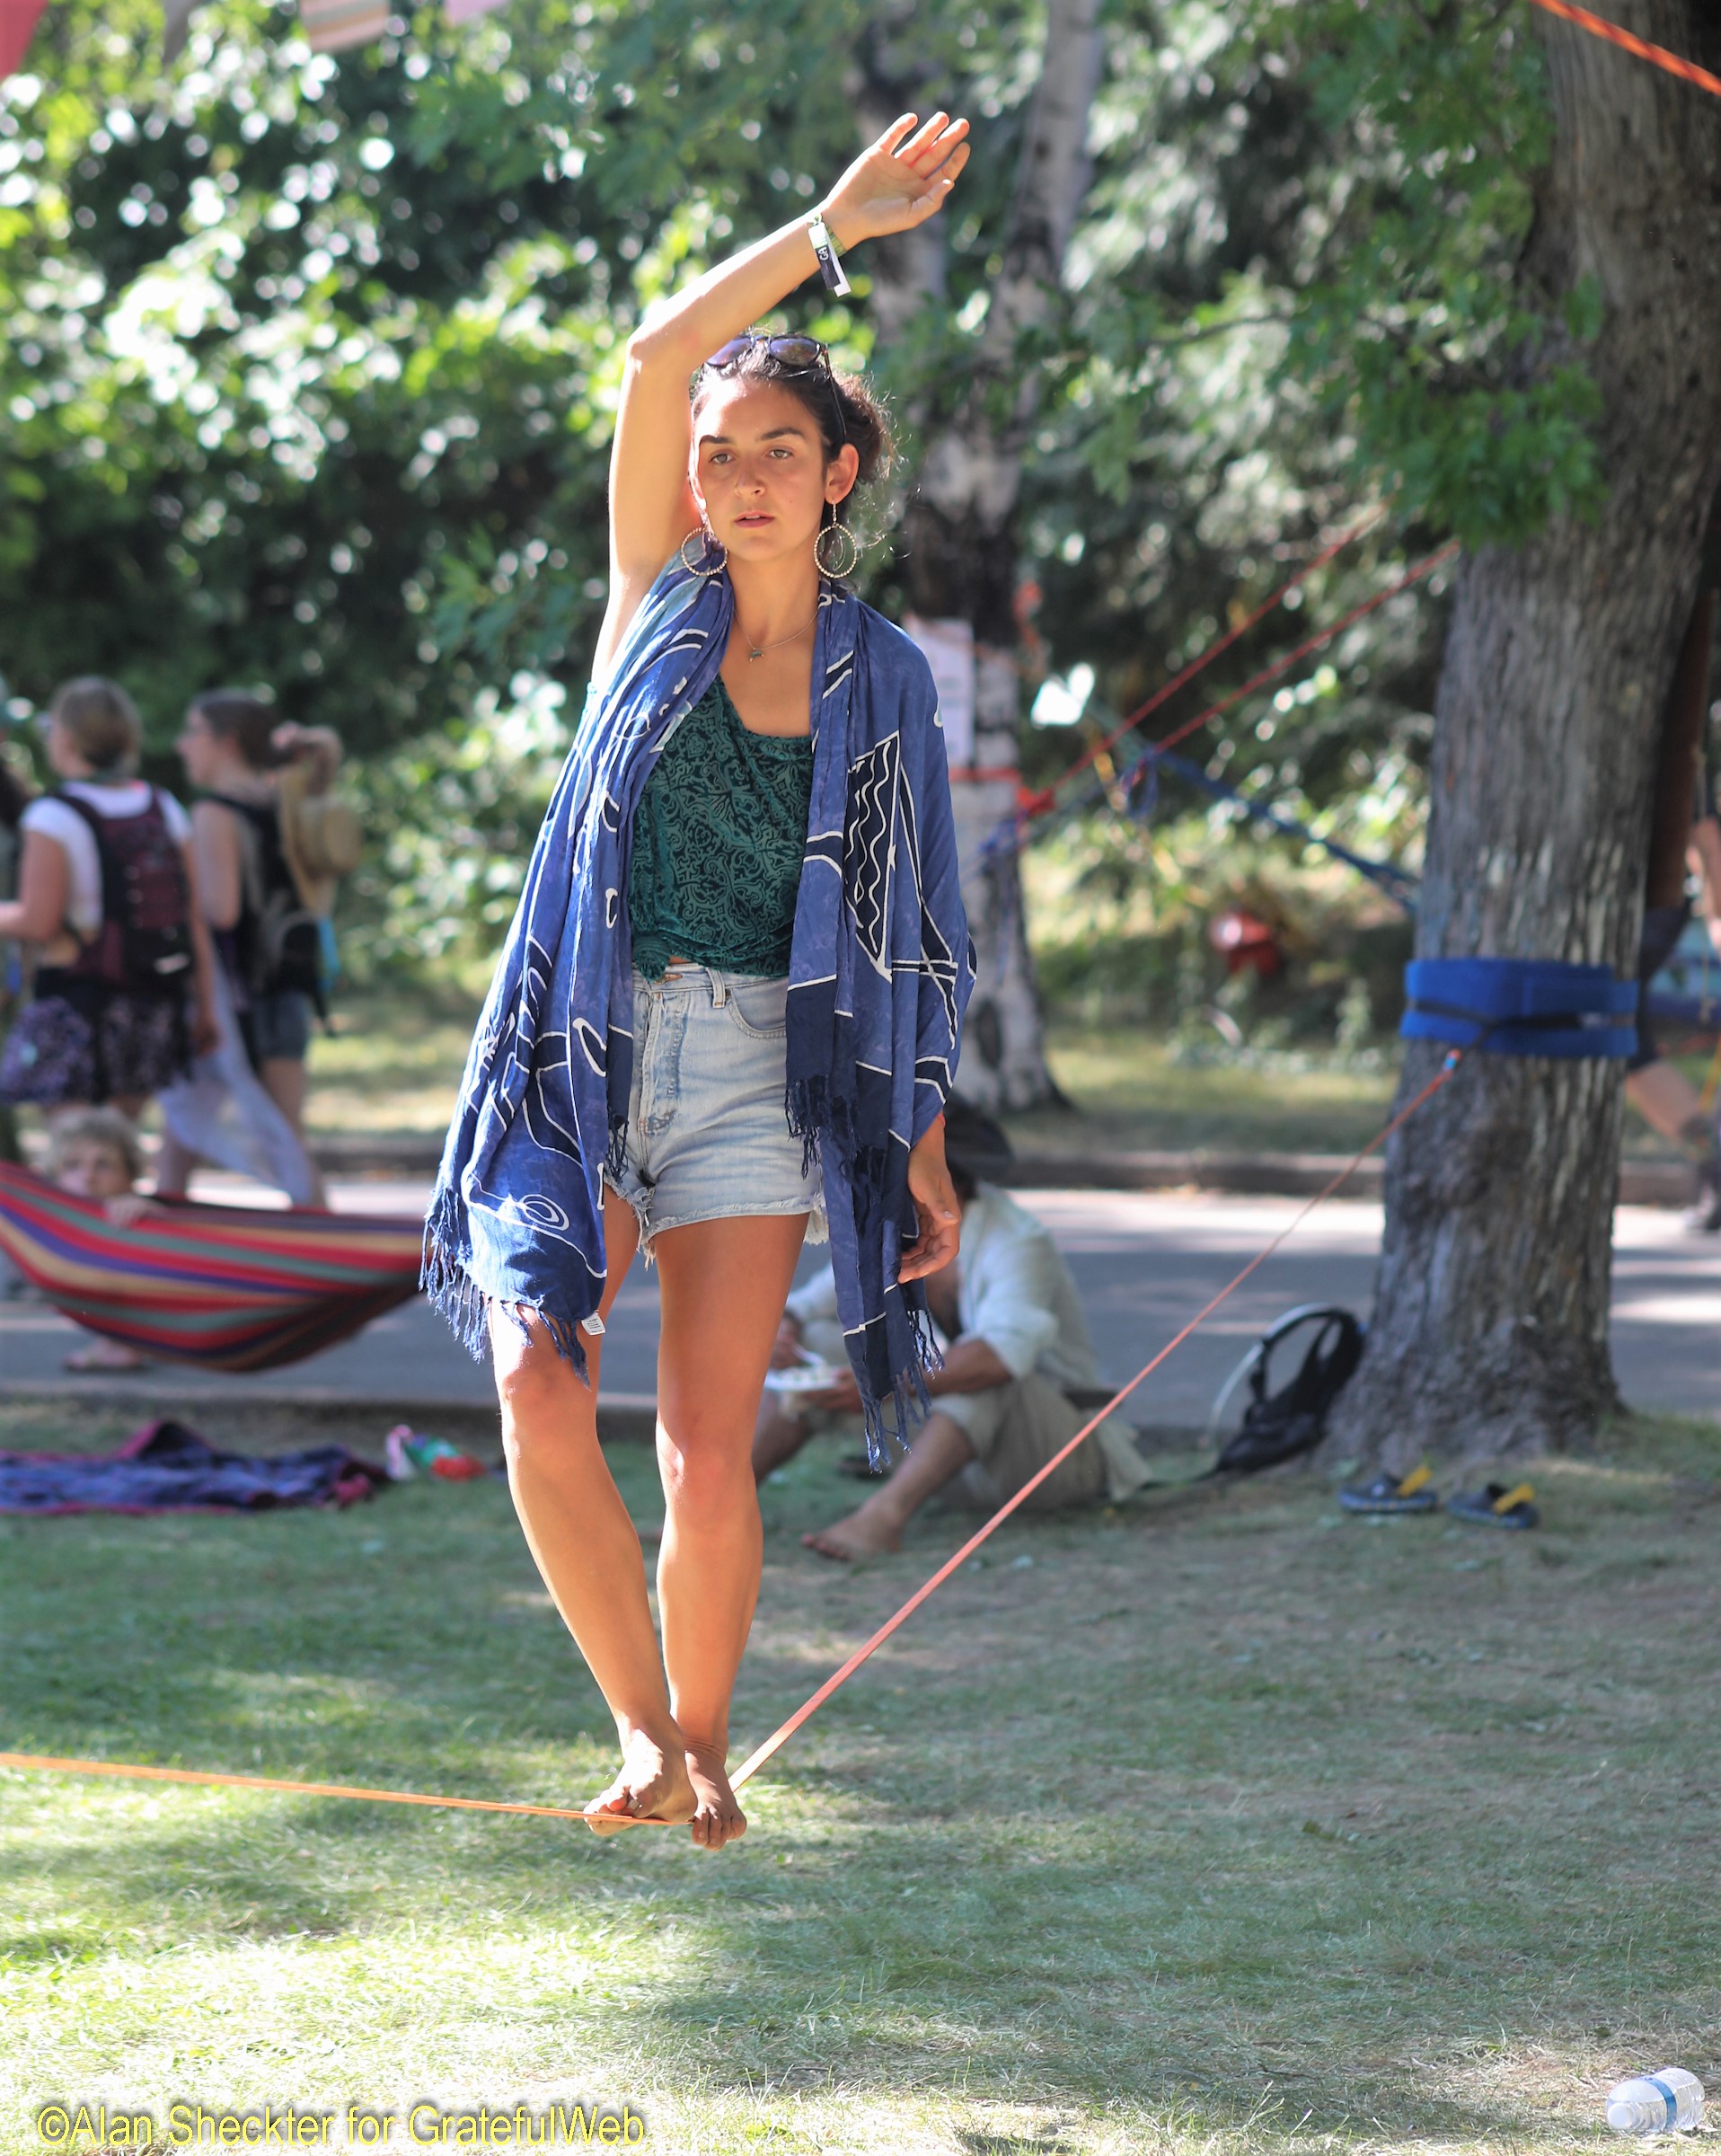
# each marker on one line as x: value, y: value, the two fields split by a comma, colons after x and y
x: 95, y: 1153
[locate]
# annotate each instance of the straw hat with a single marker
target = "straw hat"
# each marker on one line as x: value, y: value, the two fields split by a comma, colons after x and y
x: 321, y: 836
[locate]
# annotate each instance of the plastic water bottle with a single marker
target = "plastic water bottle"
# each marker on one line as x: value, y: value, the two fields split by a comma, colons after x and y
x: 1657, y: 2103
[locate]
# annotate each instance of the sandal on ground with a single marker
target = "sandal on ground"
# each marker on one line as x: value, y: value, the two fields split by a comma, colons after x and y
x: 1414, y: 1492
x: 1495, y: 1507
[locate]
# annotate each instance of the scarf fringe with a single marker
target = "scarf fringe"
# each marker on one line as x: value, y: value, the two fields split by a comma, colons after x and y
x: 807, y: 1103
x: 815, y: 1111
x: 450, y: 1290
x: 906, y: 1405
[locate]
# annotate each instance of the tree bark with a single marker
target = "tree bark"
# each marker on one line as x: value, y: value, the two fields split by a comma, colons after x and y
x: 1490, y: 1327
x: 958, y: 550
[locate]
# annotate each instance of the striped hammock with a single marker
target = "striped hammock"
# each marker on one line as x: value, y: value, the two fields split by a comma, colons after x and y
x: 225, y: 1287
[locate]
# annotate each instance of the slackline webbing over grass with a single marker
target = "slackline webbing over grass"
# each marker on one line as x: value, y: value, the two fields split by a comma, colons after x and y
x: 36, y: 1762
x: 1658, y: 55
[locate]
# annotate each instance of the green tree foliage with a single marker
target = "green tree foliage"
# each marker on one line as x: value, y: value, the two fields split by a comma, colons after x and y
x: 311, y: 363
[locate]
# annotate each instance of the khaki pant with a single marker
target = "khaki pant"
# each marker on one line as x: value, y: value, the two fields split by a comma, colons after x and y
x: 1014, y: 1430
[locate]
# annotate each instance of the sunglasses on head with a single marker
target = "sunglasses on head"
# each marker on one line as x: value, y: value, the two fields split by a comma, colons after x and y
x: 792, y: 354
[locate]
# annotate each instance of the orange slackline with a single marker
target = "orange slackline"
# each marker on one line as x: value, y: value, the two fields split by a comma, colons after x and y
x: 1658, y: 56
x: 34, y: 1762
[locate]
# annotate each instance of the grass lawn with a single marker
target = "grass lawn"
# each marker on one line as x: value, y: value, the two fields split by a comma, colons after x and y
x: 1219, y: 1824
x: 1134, y: 1095
x: 393, y: 1066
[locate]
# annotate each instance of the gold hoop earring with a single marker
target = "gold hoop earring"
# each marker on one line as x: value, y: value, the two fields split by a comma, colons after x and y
x: 844, y: 567
x: 706, y: 542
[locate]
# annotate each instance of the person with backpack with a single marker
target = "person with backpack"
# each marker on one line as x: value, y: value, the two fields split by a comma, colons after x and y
x: 1015, y: 1347
x: 107, y: 891
x: 264, y: 910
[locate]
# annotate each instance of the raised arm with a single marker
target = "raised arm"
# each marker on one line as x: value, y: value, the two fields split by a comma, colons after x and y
x: 898, y: 183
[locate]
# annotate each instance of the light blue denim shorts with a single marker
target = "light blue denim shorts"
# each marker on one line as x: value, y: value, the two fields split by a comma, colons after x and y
x: 708, y: 1137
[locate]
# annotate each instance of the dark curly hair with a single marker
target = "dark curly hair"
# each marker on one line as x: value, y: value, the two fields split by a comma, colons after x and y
x: 843, y: 409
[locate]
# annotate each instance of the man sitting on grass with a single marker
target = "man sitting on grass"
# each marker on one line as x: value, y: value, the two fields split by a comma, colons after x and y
x: 1015, y: 1342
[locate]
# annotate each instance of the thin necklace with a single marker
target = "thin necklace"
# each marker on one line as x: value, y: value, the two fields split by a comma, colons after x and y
x: 759, y: 650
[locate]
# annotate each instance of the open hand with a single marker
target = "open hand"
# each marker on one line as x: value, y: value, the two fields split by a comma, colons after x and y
x: 900, y: 182
x: 129, y: 1209
x: 935, y: 1208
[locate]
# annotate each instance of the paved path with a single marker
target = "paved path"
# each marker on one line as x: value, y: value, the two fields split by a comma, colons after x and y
x: 1145, y: 1263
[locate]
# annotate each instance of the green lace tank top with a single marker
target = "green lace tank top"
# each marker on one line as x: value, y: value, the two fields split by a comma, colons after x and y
x: 718, y: 837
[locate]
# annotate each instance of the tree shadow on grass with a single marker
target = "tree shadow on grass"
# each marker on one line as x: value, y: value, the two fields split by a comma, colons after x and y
x: 983, y: 2143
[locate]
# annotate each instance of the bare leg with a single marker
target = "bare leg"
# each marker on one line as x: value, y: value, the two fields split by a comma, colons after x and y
x: 285, y: 1080
x: 940, y: 1450
x: 105, y: 1354
x: 584, y: 1543
x: 724, y: 1282
x: 777, y: 1436
x: 1667, y: 1101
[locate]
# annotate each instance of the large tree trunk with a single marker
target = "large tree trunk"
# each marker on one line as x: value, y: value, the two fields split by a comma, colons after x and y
x: 959, y: 540
x: 1490, y: 1328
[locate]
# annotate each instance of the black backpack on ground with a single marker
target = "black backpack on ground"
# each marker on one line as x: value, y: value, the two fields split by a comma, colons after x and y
x: 144, y: 944
x: 279, y: 938
x: 1283, y: 1425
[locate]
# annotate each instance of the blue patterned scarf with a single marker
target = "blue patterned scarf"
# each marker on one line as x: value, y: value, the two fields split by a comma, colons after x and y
x: 880, y: 973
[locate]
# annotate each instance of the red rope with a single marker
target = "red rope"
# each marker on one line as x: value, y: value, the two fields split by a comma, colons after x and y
x: 1658, y: 56
x: 1043, y: 804
x: 1169, y: 689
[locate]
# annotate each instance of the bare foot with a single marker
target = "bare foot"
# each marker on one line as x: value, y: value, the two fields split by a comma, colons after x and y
x: 106, y: 1355
x: 719, y: 1817
x: 864, y: 1533
x: 653, y: 1784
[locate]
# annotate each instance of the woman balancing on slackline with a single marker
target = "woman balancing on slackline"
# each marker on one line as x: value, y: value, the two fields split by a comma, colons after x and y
x: 730, y: 1000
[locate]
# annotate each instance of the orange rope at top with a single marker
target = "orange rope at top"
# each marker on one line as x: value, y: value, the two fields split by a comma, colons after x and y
x: 1658, y: 56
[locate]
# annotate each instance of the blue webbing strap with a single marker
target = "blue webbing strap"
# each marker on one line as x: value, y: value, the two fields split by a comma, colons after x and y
x: 1520, y: 1007
x: 1398, y: 883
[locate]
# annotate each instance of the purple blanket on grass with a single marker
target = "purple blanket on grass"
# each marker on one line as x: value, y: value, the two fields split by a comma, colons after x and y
x: 166, y: 1467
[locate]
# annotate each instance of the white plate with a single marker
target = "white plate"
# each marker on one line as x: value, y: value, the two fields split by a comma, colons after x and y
x: 803, y: 1377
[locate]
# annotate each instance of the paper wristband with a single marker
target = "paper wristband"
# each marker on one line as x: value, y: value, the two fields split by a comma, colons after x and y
x: 830, y: 266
